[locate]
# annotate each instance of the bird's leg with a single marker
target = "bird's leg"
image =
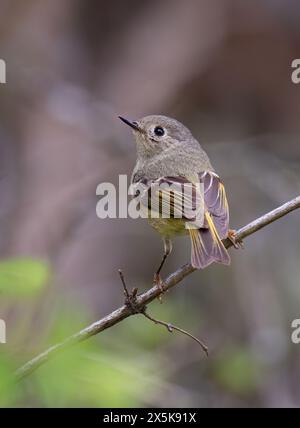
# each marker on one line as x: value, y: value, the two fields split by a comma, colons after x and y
x: 157, y: 278
x: 232, y: 238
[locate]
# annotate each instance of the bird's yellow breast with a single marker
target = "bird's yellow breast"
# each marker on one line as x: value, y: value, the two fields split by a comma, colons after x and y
x: 169, y: 226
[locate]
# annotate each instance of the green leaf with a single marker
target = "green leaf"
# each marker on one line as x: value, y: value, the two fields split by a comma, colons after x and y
x: 22, y: 277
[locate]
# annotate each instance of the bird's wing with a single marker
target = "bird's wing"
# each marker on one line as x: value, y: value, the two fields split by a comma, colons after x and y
x: 179, y: 197
x: 203, y: 206
x: 216, y: 201
x: 207, y: 245
x: 174, y: 197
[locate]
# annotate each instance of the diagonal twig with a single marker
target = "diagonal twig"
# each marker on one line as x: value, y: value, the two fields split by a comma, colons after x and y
x: 145, y: 298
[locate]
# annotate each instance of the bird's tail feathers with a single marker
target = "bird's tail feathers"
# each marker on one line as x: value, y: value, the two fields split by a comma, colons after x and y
x: 207, y: 246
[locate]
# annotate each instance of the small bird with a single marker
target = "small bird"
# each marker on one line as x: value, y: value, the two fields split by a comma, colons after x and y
x: 168, y: 153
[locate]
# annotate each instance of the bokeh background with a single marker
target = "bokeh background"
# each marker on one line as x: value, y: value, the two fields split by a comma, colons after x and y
x: 224, y: 69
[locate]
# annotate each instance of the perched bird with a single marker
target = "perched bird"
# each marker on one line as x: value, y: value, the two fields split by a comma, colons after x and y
x: 167, y: 153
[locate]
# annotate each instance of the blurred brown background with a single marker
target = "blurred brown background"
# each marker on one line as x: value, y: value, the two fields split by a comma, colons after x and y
x: 224, y: 69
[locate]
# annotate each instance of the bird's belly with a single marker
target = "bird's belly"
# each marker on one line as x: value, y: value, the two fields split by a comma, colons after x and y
x: 168, y: 226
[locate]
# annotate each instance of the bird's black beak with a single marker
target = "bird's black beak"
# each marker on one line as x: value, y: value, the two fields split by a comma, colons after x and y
x: 133, y: 125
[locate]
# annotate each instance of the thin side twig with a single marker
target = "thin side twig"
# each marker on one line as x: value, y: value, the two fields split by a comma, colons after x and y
x: 130, y: 300
x: 170, y: 327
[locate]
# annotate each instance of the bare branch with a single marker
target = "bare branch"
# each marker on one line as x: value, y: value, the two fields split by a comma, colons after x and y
x: 143, y: 299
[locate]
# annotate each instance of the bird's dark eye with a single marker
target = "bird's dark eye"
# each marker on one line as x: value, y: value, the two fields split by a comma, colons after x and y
x: 159, y: 131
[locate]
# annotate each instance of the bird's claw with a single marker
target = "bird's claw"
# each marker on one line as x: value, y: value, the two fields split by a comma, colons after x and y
x: 237, y: 243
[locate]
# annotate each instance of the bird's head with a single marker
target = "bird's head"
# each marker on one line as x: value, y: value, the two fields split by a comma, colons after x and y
x: 155, y: 134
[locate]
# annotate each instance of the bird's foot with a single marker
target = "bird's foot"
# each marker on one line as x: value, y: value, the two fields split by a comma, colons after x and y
x: 237, y: 243
x: 157, y: 280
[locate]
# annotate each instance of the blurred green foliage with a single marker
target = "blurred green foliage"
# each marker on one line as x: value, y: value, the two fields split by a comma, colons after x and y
x: 98, y: 372
x: 94, y: 373
x: 237, y: 371
x: 9, y: 391
x: 23, y: 277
